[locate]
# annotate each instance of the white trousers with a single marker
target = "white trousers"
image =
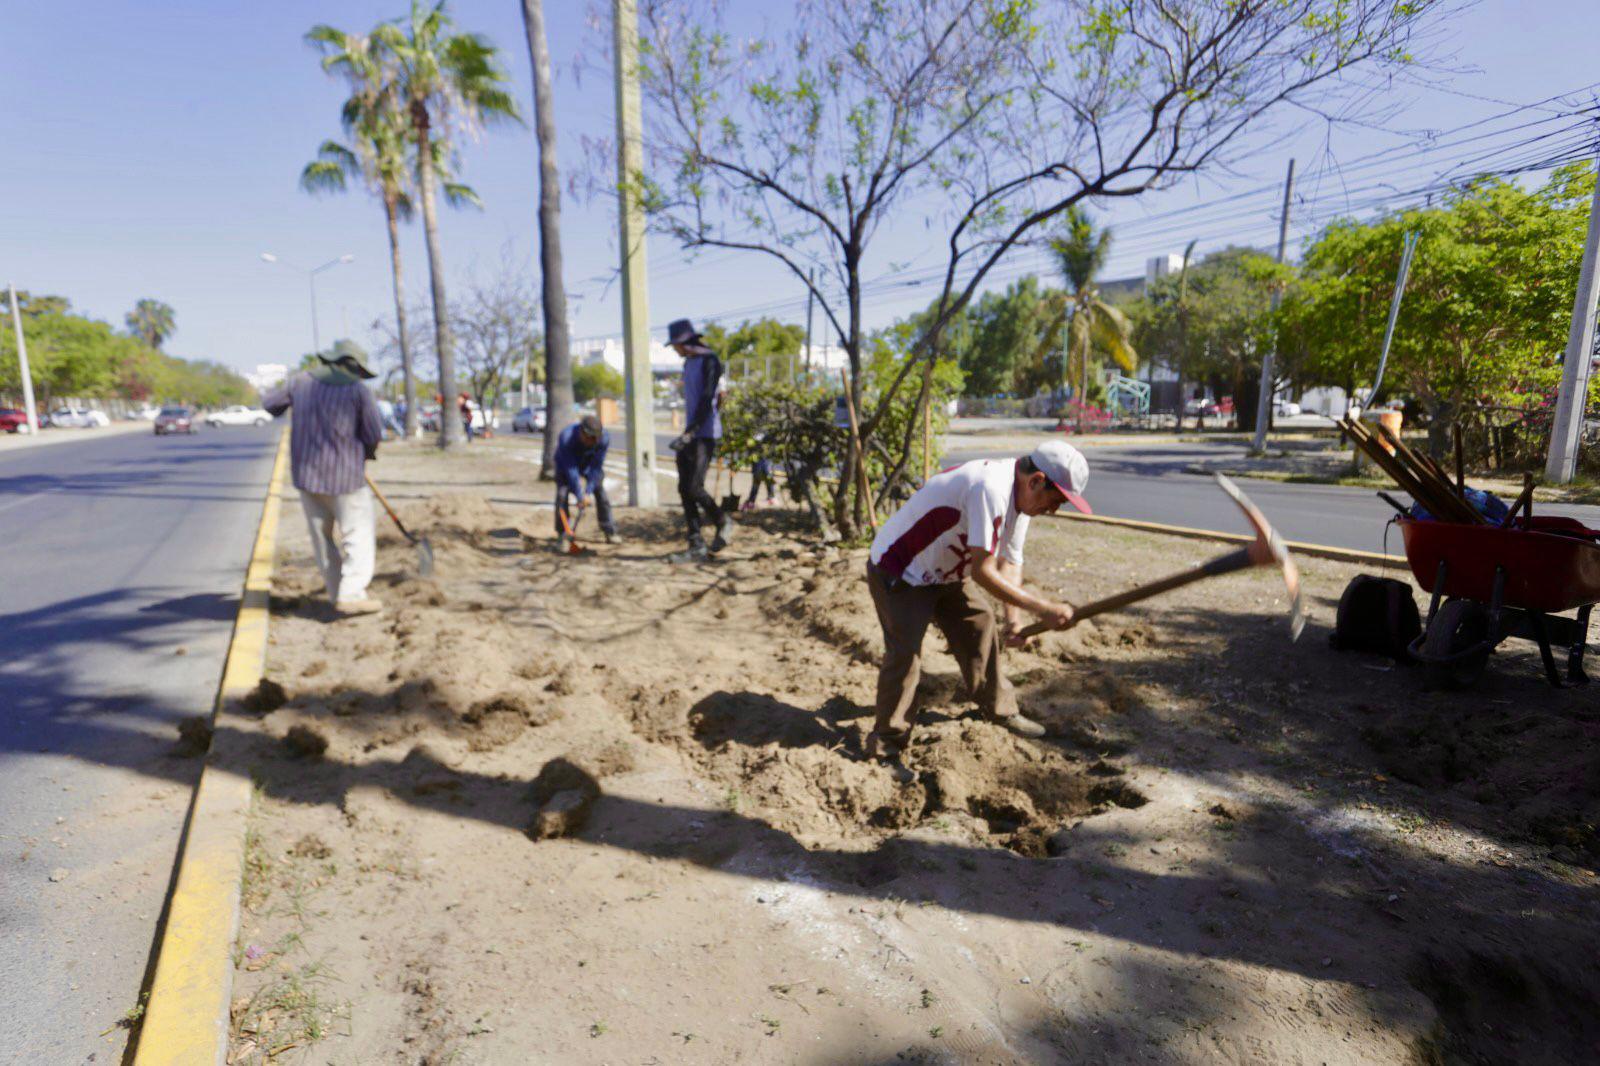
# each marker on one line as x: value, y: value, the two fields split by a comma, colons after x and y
x: 342, y: 540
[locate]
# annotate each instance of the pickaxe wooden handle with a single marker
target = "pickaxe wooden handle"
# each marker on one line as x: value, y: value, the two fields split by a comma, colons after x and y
x: 1267, y: 550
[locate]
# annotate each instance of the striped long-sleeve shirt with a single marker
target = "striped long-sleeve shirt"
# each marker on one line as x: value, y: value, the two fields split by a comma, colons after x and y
x: 336, y: 429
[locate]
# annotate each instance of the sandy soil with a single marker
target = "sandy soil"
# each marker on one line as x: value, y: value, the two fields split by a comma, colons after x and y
x: 1231, y: 848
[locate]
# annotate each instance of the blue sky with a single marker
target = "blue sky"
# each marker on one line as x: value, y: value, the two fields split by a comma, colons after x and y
x: 153, y: 149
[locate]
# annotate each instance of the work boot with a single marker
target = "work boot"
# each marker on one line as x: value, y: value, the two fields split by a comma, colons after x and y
x: 724, y: 534
x: 351, y: 608
x: 612, y: 537
x: 561, y: 543
x: 695, y: 553
x: 1022, y: 725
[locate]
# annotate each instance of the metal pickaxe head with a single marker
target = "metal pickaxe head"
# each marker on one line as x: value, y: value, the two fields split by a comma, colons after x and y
x: 1269, y: 549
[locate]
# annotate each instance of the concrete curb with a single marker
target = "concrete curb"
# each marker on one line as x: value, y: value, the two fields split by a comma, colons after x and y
x: 186, y: 1018
x: 1316, y: 551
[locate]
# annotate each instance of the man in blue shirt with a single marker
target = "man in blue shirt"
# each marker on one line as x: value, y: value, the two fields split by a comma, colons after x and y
x: 581, y: 454
x: 697, y: 445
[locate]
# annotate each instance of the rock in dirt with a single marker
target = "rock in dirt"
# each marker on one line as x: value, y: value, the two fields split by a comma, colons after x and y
x: 58, y: 874
x: 305, y: 741
x: 265, y: 698
x: 565, y: 793
x: 194, y: 736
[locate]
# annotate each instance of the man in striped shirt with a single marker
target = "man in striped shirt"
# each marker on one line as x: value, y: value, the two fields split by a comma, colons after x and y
x: 335, y: 430
x: 963, y: 531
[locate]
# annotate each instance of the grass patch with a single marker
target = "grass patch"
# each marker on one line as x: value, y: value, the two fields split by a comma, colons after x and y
x: 289, y: 1012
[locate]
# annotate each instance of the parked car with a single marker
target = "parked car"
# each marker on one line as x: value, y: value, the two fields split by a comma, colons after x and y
x: 13, y: 420
x: 528, y: 420
x: 78, y: 418
x: 238, y: 415
x: 430, y: 418
x: 175, y: 420
x: 1285, y: 408
x: 148, y: 413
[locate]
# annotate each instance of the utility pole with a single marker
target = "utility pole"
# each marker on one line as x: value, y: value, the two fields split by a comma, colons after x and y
x: 1264, y: 403
x: 22, y: 366
x: 635, y: 331
x: 1567, y: 432
x: 811, y: 280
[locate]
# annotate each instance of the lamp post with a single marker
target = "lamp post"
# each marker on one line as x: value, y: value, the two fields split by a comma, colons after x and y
x: 311, y: 278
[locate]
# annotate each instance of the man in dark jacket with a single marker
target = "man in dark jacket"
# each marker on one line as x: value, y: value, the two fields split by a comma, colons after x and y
x: 697, y: 445
x: 581, y: 454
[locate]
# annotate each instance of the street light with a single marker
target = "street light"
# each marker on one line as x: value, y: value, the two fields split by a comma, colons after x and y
x: 311, y: 277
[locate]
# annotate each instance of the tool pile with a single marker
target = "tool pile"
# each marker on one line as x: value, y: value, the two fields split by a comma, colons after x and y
x: 1417, y: 473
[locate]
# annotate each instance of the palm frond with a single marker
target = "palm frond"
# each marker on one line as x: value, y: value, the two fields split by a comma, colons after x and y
x: 459, y: 195
x: 322, y: 176
x: 1113, y: 334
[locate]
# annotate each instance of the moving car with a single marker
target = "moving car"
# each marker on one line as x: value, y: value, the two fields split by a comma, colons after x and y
x: 175, y: 420
x: 13, y: 420
x: 78, y: 418
x: 528, y: 420
x: 238, y: 415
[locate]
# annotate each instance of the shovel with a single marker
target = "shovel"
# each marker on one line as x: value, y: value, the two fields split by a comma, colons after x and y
x: 573, y: 547
x: 424, y: 549
x: 1267, y: 549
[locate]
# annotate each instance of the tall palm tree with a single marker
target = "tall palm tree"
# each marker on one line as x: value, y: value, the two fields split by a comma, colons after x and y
x: 557, y: 348
x: 378, y: 130
x: 443, y: 80
x: 1091, y: 323
x: 151, y: 321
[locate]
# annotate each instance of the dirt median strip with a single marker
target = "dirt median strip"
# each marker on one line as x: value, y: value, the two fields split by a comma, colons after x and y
x: 186, y: 1021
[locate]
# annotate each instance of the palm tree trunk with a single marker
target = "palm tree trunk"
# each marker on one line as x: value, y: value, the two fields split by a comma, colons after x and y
x: 406, y: 372
x: 557, y: 343
x: 450, y: 431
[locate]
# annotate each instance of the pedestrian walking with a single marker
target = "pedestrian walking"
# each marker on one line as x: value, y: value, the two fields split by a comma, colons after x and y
x: 961, y: 532
x: 580, y: 473
x: 391, y: 423
x: 464, y: 405
x: 761, y: 474
x: 697, y: 445
x: 335, y: 432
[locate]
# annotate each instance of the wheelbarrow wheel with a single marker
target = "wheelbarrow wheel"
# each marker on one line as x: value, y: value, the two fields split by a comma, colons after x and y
x: 1458, y: 625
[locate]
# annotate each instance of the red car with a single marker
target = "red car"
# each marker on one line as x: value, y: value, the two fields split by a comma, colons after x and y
x: 13, y: 420
x: 175, y: 420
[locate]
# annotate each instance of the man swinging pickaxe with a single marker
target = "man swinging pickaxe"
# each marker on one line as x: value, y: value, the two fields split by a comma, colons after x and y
x: 1267, y: 549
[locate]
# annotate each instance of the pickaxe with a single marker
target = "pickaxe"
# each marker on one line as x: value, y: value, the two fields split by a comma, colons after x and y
x: 573, y: 547
x: 1267, y: 549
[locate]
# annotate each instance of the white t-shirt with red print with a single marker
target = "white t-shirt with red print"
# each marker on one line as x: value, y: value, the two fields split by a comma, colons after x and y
x: 929, y: 541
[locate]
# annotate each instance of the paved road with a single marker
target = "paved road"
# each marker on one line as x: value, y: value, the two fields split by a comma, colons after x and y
x: 120, y: 572
x: 1150, y: 482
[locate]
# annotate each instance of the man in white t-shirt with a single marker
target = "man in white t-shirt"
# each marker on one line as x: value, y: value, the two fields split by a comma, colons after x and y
x: 963, y: 531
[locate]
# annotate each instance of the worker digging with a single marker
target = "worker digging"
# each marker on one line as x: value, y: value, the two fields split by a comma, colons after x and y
x: 580, y: 473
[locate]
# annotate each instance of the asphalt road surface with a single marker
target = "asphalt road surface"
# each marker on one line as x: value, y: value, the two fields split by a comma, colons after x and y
x: 121, y: 565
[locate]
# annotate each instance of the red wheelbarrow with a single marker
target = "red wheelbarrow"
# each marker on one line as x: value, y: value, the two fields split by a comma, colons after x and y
x: 1499, y: 582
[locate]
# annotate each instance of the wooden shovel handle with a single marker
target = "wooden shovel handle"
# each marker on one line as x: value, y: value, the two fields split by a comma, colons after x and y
x: 1222, y: 564
x: 398, y: 524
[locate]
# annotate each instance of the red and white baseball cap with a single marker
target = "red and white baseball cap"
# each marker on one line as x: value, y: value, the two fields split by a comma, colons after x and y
x: 1067, y: 470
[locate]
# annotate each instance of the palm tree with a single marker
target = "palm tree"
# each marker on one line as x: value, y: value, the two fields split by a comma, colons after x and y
x: 442, y: 80
x: 151, y: 321
x: 1091, y: 324
x: 557, y: 354
x: 378, y: 130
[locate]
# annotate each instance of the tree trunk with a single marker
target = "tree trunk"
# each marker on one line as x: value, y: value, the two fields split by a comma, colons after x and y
x: 450, y: 430
x: 849, y: 508
x: 557, y: 342
x: 406, y: 370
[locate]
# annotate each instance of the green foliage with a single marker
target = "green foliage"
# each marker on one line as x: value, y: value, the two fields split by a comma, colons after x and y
x: 597, y: 379
x: 900, y: 432
x: 72, y: 356
x: 746, y: 350
x: 151, y: 321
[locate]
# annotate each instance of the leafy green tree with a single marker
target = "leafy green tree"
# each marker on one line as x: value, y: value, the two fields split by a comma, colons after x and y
x: 151, y: 321
x: 29, y: 304
x: 1090, y: 323
x: 1487, y: 304
x: 750, y: 348
x: 995, y: 117
x: 443, y: 80
x: 595, y: 380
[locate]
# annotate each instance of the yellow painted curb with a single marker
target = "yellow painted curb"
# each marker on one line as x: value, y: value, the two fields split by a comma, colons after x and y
x: 1318, y: 551
x: 186, y: 1018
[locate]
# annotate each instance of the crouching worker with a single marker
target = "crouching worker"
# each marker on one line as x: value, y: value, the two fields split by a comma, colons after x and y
x: 581, y: 456
x: 335, y: 431
x: 961, y: 532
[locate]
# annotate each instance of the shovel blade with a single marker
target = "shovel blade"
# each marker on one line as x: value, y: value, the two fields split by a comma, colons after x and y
x: 424, y: 557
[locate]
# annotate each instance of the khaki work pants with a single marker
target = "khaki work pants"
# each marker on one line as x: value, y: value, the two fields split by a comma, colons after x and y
x: 343, y: 541
x: 964, y: 617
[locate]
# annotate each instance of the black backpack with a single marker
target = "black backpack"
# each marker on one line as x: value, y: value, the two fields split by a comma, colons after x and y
x: 1376, y: 614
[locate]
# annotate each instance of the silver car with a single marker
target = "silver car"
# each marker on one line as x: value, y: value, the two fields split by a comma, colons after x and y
x: 528, y: 420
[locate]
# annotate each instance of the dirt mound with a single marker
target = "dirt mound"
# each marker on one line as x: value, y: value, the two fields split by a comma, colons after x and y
x: 1509, y: 1008
x: 455, y: 515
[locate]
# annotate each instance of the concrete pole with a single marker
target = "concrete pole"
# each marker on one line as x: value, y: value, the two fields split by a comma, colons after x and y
x: 1264, y: 404
x: 635, y: 332
x: 1567, y: 431
x: 22, y: 366
x: 811, y: 279
x: 316, y: 342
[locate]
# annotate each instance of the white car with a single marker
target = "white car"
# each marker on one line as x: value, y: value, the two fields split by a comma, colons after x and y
x: 78, y: 418
x: 1285, y: 408
x: 238, y: 415
x: 147, y: 413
